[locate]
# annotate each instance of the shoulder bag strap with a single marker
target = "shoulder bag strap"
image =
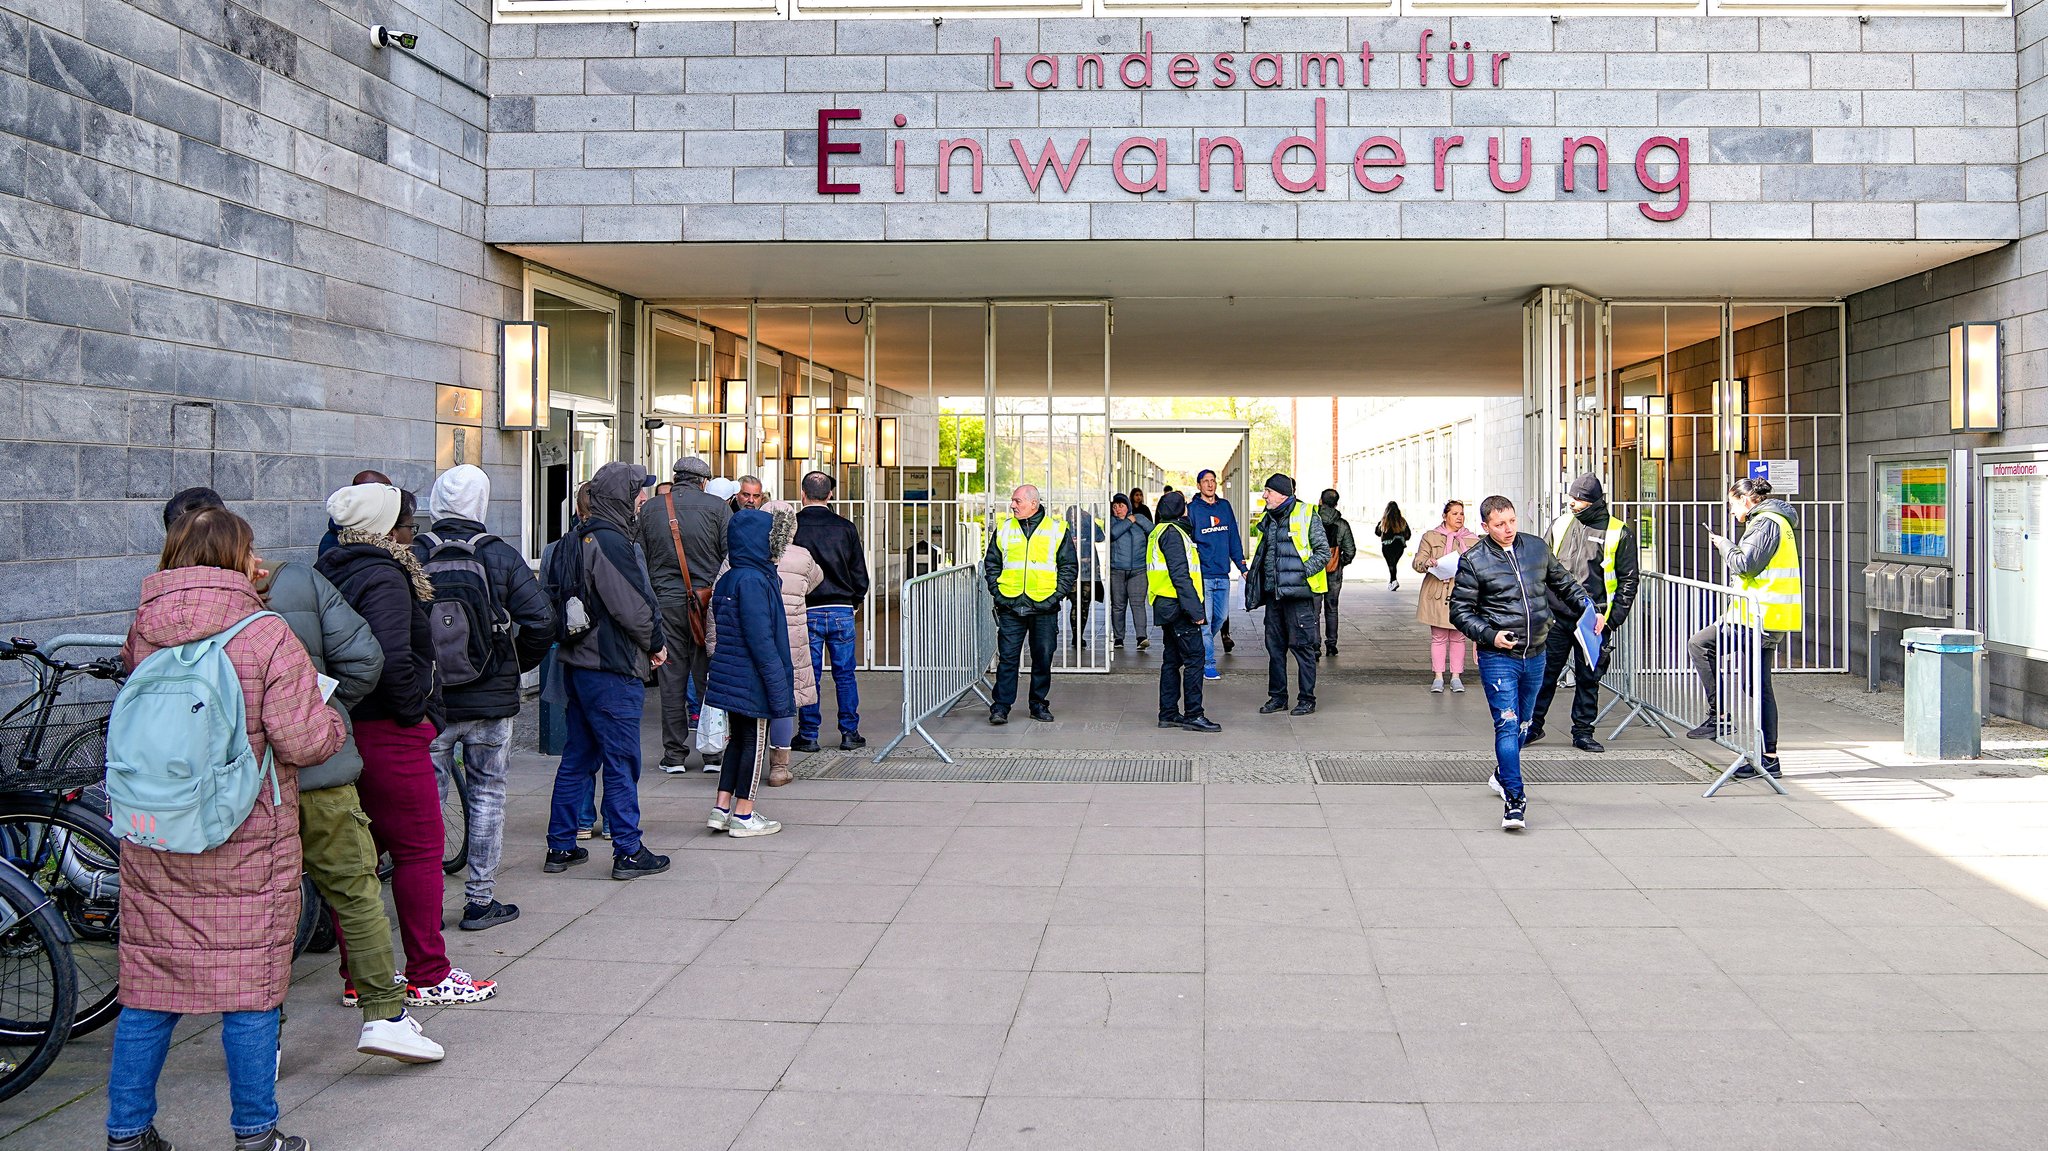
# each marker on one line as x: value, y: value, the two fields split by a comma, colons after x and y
x: 675, y: 533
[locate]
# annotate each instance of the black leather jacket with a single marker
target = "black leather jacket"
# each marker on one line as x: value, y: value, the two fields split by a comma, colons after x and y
x: 1502, y: 590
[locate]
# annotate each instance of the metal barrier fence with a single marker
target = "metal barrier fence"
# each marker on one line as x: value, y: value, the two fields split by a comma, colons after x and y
x: 1656, y: 669
x: 949, y: 640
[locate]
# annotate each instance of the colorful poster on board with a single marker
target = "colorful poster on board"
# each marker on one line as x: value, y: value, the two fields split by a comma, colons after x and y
x: 1912, y: 505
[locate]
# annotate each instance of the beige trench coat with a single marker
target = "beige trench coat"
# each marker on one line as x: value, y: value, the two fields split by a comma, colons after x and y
x: 1434, y: 606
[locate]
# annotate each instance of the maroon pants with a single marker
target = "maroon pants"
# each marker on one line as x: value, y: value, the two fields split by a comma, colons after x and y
x: 403, y: 800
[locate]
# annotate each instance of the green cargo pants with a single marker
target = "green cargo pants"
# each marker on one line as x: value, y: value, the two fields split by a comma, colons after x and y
x: 342, y: 862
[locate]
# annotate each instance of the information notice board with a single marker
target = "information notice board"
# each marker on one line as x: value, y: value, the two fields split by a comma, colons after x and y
x: 2015, y: 564
x: 1911, y: 510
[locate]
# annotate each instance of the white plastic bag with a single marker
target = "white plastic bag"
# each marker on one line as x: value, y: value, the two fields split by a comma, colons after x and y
x: 711, y: 731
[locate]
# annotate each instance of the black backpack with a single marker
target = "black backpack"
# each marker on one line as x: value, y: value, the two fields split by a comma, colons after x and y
x: 465, y: 620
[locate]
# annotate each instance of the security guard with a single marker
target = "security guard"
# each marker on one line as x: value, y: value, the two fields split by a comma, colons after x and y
x: 1287, y: 579
x: 1173, y: 587
x: 1031, y: 569
x: 1600, y: 552
x: 1764, y: 558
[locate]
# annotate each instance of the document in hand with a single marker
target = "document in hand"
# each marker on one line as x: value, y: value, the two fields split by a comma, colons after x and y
x: 1589, y: 640
x: 1446, y: 567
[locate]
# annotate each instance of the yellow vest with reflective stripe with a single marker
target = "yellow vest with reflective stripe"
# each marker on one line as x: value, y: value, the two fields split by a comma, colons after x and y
x: 1608, y: 551
x: 1031, y: 563
x: 1159, y: 581
x: 1297, y: 530
x: 1778, y: 585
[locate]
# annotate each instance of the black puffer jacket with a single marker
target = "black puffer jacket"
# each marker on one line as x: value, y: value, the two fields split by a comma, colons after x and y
x: 382, y: 593
x: 1502, y: 590
x: 495, y: 695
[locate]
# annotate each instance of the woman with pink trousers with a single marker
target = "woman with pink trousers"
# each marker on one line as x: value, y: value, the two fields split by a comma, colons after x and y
x: 1446, y: 643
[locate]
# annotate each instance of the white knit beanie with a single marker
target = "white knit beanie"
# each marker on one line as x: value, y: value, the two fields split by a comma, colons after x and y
x: 367, y: 507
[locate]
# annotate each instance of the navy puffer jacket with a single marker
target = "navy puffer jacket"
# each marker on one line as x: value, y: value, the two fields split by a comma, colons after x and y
x: 751, y: 671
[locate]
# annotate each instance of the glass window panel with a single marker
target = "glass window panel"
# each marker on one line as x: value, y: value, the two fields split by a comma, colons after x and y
x: 579, y: 346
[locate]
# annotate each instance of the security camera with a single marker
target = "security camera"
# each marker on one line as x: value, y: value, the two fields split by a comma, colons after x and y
x: 653, y: 423
x: 382, y: 37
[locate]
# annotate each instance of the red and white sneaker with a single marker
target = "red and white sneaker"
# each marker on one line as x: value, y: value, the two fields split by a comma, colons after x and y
x: 348, y: 991
x: 457, y: 988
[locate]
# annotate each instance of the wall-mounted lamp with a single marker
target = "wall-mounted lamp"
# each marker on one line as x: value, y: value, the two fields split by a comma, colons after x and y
x: 1731, y: 409
x: 1656, y: 437
x: 735, y: 405
x: 522, y: 375
x: 800, y: 427
x: 849, y: 436
x: 1975, y: 402
x: 887, y: 436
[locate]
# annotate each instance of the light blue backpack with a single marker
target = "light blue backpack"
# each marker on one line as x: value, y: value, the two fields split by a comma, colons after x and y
x: 181, y: 775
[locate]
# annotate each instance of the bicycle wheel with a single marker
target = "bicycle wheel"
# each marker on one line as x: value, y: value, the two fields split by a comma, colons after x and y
x: 454, y: 820
x: 72, y: 857
x: 38, y: 984
x: 312, y: 909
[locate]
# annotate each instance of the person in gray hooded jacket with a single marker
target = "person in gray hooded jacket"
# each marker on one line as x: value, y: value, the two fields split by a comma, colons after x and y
x: 339, y: 855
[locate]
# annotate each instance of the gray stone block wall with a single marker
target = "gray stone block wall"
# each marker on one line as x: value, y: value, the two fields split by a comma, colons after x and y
x: 238, y: 247
x: 1795, y: 126
x: 1898, y: 364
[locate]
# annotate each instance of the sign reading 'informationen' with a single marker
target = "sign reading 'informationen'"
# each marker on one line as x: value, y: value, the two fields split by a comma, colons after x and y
x: 1299, y: 164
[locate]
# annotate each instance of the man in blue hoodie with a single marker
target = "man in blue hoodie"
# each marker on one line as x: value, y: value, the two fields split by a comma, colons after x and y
x: 1221, y: 547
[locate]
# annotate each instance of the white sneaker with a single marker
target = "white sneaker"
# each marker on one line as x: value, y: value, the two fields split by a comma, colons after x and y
x: 710, y: 769
x: 674, y: 768
x: 399, y: 1039
x: 1493, y: 785
x: 721, y: 820
x: 752, y: 823
x: 1457, y: 685
x: 1436, y: 686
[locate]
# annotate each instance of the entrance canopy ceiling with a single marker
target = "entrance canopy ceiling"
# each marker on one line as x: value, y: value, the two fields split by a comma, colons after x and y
x: 1337, y: 317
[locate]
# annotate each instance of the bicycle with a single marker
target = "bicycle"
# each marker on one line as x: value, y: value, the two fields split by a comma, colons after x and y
x: 38, y: 982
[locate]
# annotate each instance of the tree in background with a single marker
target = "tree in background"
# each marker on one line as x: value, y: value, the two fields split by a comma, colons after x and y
x: 962, y: 435
x: 1272, y: 434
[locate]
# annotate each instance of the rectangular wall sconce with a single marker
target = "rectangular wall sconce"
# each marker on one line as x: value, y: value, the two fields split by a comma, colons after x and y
x: 735, y: 436
x: 849, y: 435
x: 1656, y: 437
x: 887, y: 428
x: 800, y: 426
x: 1731, y: 411
x: 523, y: 375
x: 1975, y: 364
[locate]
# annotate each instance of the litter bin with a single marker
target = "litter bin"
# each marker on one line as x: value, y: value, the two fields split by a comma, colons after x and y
x: 1943, y: 718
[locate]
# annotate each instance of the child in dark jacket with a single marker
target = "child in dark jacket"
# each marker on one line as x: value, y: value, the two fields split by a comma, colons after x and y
x: 752, y: 676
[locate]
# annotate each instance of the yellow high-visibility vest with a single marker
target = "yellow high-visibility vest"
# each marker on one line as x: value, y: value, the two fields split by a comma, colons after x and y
x: 1778, y: 585
x: 1297, y: 530
x: 1159, y: 581
x: 1608, y: 551
x: 1031, y: 563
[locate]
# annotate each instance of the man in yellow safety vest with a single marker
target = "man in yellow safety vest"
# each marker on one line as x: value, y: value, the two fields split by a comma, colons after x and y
x: 1764, y: 559
x: 1031, y: 569
x: 1599, y: 551
x: 1173, y: 586
x: 1287, y: 578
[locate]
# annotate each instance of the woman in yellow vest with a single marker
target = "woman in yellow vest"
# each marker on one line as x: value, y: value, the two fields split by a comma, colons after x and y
x: 1173, y: 586
x: 1763, y: 559
x: 1030, y: 568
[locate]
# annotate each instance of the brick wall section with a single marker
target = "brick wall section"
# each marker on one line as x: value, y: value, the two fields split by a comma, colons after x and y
x: 238, y: 247
x: 1820, y: 127
x: 1898, y: 362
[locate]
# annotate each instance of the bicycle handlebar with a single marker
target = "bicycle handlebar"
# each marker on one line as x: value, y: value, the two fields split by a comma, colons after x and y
x: 105, y: 667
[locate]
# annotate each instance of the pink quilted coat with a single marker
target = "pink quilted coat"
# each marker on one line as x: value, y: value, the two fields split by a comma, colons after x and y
x: 213, y: 932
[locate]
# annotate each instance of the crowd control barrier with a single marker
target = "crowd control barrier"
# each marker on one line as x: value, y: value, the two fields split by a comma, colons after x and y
x: 949, y: 640
x: 1655, y: 674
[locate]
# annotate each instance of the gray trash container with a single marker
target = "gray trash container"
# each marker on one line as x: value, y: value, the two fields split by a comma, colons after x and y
x: 1943, y: 717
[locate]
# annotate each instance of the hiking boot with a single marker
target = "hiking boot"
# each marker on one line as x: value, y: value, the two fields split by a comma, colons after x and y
x: 751, y: 824
x: 271, y: 1141
x: 560, y: 861
x: 457, y: 987
x: 1588, y: 743
x: 1513, y: 816
x: 1201, y: 723
x: 778, y: 767
x: 645, y: 862
x: 484, y: 916
x: 1305, y: 707
x: 853, y: 742
x: 1708, y: 728
x: 147, y: 1141
x: 399, y: 1039
x: 1271, y: 706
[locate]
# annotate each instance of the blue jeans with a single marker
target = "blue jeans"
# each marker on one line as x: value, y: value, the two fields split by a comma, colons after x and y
x: 832, y: 627
x: 1216, y: 597
x: 604, y: 737
x: 142, y: 1040
x: 1511, y: 682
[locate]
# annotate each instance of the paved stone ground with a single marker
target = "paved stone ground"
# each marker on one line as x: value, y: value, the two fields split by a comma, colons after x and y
x: 917, y: 965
